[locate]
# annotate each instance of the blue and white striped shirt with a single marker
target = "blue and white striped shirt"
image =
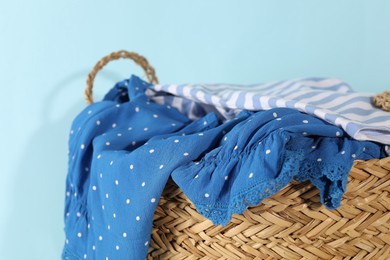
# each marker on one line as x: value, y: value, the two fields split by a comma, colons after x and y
x: 329, y: 99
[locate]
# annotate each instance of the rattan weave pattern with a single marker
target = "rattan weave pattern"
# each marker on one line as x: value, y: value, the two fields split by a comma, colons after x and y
x: 291, y: 224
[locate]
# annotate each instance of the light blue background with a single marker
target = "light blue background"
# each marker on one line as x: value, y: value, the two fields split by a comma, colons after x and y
x: 48, y: 47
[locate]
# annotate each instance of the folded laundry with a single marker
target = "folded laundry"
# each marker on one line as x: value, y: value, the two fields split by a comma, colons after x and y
x: 123, y: 150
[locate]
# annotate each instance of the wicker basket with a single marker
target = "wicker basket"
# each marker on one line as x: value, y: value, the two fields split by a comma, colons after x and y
x: 291, y: 224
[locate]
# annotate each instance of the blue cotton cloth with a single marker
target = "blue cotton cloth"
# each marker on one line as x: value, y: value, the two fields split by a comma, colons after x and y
x: 123, y: 150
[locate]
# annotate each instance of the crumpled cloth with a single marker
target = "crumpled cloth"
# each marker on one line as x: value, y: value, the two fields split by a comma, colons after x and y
x: 123, y: 149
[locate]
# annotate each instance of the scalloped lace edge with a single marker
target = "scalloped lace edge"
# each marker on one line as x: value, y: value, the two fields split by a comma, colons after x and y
x: 292, y: 168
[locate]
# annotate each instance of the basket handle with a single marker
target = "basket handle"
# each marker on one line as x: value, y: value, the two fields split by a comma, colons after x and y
x: 138, y: 59
x: 382, y: 100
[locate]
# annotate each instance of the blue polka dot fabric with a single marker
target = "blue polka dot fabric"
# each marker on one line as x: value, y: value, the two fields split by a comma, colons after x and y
x: 123, y: 149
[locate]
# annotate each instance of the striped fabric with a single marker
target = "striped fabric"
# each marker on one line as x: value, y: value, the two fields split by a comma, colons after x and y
x: 330, y: 99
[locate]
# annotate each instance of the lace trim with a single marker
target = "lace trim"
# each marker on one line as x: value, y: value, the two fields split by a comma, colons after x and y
x: 330, y: 179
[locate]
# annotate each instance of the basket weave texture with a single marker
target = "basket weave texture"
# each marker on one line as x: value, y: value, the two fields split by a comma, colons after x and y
x: 291, y: 224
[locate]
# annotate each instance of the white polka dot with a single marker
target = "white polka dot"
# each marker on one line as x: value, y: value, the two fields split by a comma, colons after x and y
x: 93, y: 248
x: 274, y: 114
x: 268, y: 151
x: 101, y: 175
x: 196, y: 176
x: 89, y: 226
x: 128, y: 201
x: 116, y: 182
x: 161, y: 166
x: 75, y: 194
x: 114, y: 215
x: 82, y: 146
x: 112, y: 162
x: 100, y: 238
x: 71, y: 132
x: 353, y: 155
x: 113, y: 125
x: 102, y: 207
x: 106, y: 195
x: 133, y: 143
x: 173, y: 124
x: 226, y: 177
x: 117, y: 247
x: 176, y: 141
x: 313, y: 147
x: 131, y: 166
x: 251, y: 175
x: 85, y: 256
x: 153, y: 200
x: 86, y: 169
x: 145, y: 129
x: 108, y: 143
x: 67, y: 214
x: 151, y: 151
x: 200, y: 134
x: 94, y: 187
x: 108, y: 227
x: 207, y: 195
x: 98, y: 122
x: 146, y: 243
x: 143, y: 184
x: 79, y: 234
x: 155, y: 116
x: 99, y: 156
x: 305, y: 121
x: 235, y: 147
x: 67, y: 194
x: 129, y: 129
x: 67, y: 241
x: 119, y: 134
x: 205, y: 123
x: 278, y: 119
x: 169, y: 107
x: 225, y: 138
x: 319, y: 160
x: 342, y: 152
x: 124, y: 234
x: 117, y: 105
x: 304, y: 133
x: 78, y: 214
x: 137, y: 109
x: 185, y: 154
x: 137, y: 218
